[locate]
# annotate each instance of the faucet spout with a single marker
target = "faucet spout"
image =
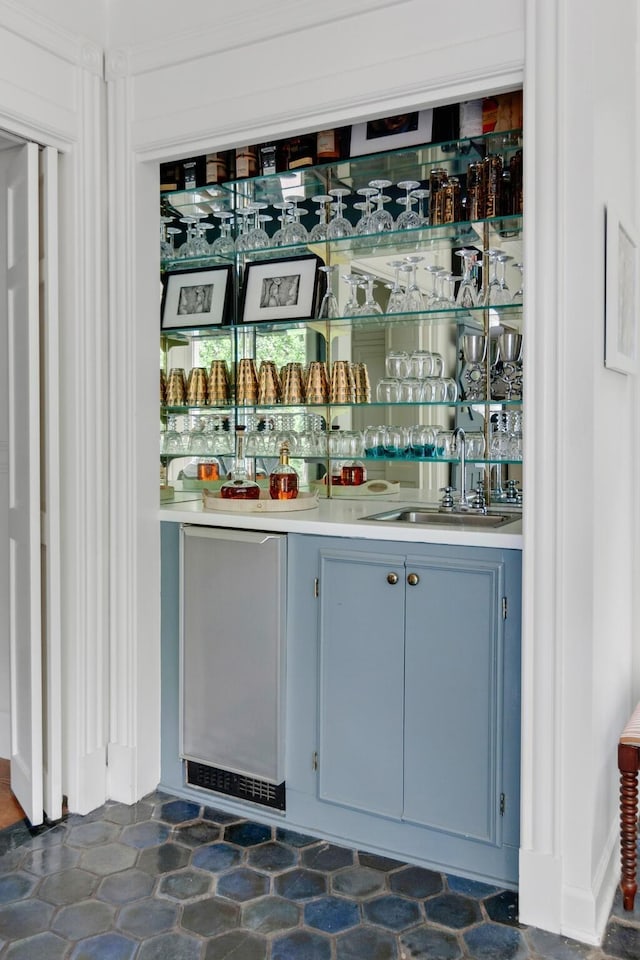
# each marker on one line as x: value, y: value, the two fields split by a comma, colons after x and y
x: 460, y: 439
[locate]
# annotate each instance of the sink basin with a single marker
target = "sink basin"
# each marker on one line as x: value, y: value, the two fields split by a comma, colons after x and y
x: 430, y: 516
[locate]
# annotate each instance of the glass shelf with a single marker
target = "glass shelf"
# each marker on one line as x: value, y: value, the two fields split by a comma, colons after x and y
x: 259, y: 408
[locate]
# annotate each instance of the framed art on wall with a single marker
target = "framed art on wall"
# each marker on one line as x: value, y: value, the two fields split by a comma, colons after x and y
x: 283, y: 289
x: 196, y: 298
x: 391, y: 133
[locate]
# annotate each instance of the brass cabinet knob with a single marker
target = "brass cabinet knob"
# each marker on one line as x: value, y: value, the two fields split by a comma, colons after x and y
x: 392, y: 578
x: 413, y: 579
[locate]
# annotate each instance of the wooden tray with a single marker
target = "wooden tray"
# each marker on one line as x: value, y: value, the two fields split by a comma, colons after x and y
x: 211, y: 500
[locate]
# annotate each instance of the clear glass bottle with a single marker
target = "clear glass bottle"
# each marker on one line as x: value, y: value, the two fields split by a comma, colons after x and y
x: 239, y: 486
x: 353, y: 473
x: 208, y: 469
x: 283, y: 480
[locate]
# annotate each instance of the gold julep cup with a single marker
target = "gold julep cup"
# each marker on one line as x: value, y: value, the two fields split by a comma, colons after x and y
x: 317, y: 382
x: 176, y: 387
x: 163, y: 388
x: 269, y: 390
x: 247, y: 383
x: 218, y: 382
x: 197, y: 387
x: 293, y: 384
x: 362, y: 383
x: 342, y: 383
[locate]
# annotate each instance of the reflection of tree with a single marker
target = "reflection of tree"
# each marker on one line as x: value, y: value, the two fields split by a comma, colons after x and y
x: 281, y: 347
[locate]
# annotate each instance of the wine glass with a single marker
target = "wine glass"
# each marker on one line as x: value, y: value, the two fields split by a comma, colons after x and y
x: 283, y: 207
x: 370, y: 305
x: 492, y: 289
x: 396, y: 297
x: 257, y: 237
x: 166, y: 247
x: 408, y: 219
x: 339, y: 226
x: 434, y: 270
x: 413, y: 300
x: 467, y: 291
x: 519, y: 294
x: 319, y: 231
x: 329, y: 304
x: 421, y: 195
x: 503, y: 290
x: 295, y: 232
x: 186, y: 249
x: 223, y: 246
x: 351, y: 306
x: 381, y: 218
x: 366, y: 224
x: 172, y: 233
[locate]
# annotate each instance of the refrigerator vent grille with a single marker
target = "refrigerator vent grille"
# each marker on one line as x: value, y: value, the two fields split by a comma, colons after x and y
x: 236, y: 785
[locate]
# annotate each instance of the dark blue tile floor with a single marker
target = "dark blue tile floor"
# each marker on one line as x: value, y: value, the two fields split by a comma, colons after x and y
x: 166, y: 879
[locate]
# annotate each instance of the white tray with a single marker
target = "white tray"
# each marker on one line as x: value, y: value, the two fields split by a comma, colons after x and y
x: 370, y: 488
x: 211, y: 500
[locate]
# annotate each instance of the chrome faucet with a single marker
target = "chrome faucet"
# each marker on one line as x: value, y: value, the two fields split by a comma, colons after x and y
x: 460, y: 439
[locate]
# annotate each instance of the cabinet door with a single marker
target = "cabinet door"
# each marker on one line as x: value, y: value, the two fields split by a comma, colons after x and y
x: 361, y: 679
x: 453, y: 703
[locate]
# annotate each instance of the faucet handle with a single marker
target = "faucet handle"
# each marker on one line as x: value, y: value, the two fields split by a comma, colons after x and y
x: 478, y: 502
x: 513, y: 494
x: 447, y: 501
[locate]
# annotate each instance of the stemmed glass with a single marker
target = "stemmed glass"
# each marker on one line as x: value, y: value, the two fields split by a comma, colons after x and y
x: 295, y: 232
x: 242, y: 240
x: 258, y: 238
x: 370, y: 305
x: 519, y: 294
x: 339, y: 226
x: 166, y: 247
x: 351, y: 306
x: 223, y: 246
x: 172, y: 233
x: 366, y: 223
x: 492, y: 289
x: 319, y: 231
x: 421, y: 196
x: 329, y: 304
x: 413, y: 300
x: 434, y: 270
x: 504, y: 292
x: 408, y: 219
x: 283, y: 207
x: 381, y: 218
x: 467, y: 291
x: 186, y: 249
x: 397, y: 295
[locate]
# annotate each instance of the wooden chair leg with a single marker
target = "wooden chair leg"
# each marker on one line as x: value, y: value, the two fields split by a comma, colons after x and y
x: 628, y: 766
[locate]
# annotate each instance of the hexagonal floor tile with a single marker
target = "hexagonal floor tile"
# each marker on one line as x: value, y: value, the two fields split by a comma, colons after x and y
x: 247, y: 834
x: 126, y: 886
x: 272, y: 856
x: 216, y: 857
x: 106, y: 946
x: 393, y: 912
x: 197, y: 834
x: 15, y: 886
x: 302, y: 943
x: 44, y: 946
x: 331, y: 914
x: 143, y: 835
x: 242, y: 884
x: 377, y: 862
x: 51, y: 860
x: 84, y: 919
x: 109, y: 858
x: 211, y: 917
x: 300, y: 884
x: 294, y: 839
x: 426, y: 943
x: 124, y: 814
x: 164, y: 859
x: 490, y: 940
x: 453, y: 910
x: 185, y: 884
x: 68, y: 886
x: 366, y: 942
x: 170, y: 946
x: 327, y: 856
x: 416, y: 882
x: 358, y: 881
x: 238, y: 943
x: 503, y: 907
x: 471, y: 888
x: 147, y: 918
x: 219, y: 816
x: 552, y: 946
x: 91, y: 834
x: 179, y: 811
x: 269, y: 914
x: 24, y: 918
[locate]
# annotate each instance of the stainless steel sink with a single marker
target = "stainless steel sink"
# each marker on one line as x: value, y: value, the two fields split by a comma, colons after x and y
x: 431, y: 516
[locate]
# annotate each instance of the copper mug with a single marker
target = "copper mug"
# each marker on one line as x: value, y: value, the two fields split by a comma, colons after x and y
x: 247, y: 383
x: 342, y: 383
x: 176, y: 387
x: 269, y: 389
x: 362, y: 384
x: 293, y: 383
x: 218, y: 382
x: 317, y: 386
x: 197, y: 387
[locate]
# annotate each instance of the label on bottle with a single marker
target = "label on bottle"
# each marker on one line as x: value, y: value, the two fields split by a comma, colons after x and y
x: 471, y: 118
x: 327, y: 145
x: 246, y: 162
x: 268, y: 164
x: 217, y: 167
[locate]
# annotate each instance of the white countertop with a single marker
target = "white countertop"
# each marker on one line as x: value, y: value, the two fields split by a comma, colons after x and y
x: 343, y: 518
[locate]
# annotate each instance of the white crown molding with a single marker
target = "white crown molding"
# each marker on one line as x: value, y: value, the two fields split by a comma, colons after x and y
x: 238, y: 29
x: 48, y: 35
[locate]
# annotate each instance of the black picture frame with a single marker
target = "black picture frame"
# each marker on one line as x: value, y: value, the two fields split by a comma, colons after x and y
x: 281, y: 289
x: 198, y: 297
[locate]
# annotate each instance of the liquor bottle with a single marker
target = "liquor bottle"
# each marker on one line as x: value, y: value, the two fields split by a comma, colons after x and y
x: 239, y: 486
x: 208, y: 469
x: 353, y: 473
x: 301, y: 152
x: 283, y: 480
x: 327, y: 145
x: 246, y: 162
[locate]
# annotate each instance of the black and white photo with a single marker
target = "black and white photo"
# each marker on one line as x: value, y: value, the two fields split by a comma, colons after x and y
x: 285, y: 289
x: 196, y: 298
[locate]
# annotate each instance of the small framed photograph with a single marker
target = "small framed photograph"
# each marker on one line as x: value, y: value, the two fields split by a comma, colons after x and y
x: 196, y: 298
x: 621, y: 295
x: 391, y: 133
x: 285, y: 289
